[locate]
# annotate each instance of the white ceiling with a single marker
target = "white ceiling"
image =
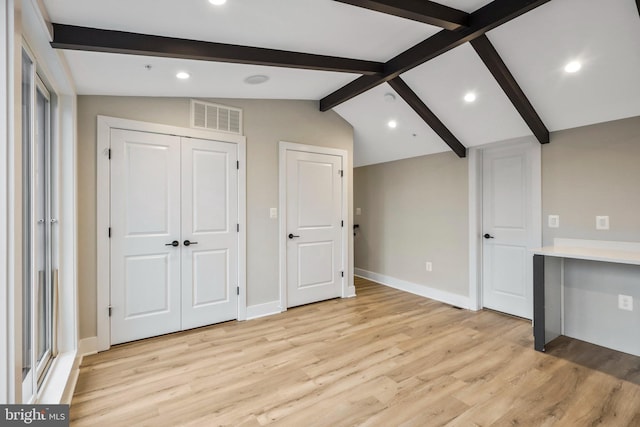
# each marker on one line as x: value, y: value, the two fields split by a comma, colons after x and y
x: 603, y: 34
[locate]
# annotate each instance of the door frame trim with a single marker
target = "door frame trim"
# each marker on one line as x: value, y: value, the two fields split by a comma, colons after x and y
x: 475, y: 209
x: 283, y: 147
x: 103, y: 264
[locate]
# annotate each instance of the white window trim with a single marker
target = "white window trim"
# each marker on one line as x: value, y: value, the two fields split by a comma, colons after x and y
x: 348, y: 290
x: 103, y: 280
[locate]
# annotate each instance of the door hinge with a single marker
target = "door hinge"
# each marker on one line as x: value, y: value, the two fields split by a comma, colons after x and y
x: 110, y: 310
x: 237, y: 290
x: 341, y: 172
x: 109, y: 153
x: 341, y: 223
x: 238, y: 228
x: 238, y: 164
x: 109, y: 232
x: 342, y: 274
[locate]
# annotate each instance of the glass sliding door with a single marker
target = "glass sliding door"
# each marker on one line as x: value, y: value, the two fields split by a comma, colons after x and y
x: 43, y: 289
x: 39, y: 292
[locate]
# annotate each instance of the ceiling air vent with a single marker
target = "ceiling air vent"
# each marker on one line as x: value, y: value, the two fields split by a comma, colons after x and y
x: 205, y: 115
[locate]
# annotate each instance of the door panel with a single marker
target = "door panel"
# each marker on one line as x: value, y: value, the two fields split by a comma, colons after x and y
x: 210, y: 267
x: 314, y: 209
x: 151, y: 293
x: 508, y: 218
x: 148, y: 179
x: 316, y: 264
x: 145, y: 218
x: 210, y: 216
x: 210, y: 189
x: 509, y: 269
x: 315, y: 194
x: 508, y: 192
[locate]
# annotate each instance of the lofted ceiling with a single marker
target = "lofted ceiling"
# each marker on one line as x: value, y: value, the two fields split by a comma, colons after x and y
x: 528, y: 51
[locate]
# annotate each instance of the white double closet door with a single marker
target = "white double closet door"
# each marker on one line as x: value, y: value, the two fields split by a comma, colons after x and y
x: 174, y: 240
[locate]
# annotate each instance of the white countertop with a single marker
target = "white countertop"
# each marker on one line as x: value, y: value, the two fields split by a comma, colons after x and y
x: 565, y: 248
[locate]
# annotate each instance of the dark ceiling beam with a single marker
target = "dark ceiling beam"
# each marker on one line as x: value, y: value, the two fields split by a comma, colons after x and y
x: 481, y: 21
x: 99, y: 40
x: 417, y: 10
x: 638, y: 4
x: 427, y: 115
x: 509, y: 85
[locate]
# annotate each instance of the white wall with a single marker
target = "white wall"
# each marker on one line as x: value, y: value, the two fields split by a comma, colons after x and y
x: 266, y: 122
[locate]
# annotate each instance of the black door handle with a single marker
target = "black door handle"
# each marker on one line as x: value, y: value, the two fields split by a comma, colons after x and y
x: 174, y: 243
x: 291, y: 235
x: 488, y: 236
x: 188, y: 243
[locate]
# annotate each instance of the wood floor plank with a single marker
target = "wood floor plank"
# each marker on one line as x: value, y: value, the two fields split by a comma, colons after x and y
x: 385, y: 358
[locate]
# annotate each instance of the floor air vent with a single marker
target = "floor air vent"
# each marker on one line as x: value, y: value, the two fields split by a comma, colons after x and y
x: 205, y: 115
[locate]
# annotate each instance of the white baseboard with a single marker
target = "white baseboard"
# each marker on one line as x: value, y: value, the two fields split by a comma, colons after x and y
x: 263, y: 310
x: 414, y: 288
x: 88, y: 346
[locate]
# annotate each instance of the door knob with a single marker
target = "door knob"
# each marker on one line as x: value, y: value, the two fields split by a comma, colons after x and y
x: 291, y: 235
x: 174, y: 243
x: 188, y: 243
x: 488, y: 236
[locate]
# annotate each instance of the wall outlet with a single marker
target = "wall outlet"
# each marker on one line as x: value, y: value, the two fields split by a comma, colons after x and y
x: 554, y: 221
x: 358, y: 211
x: 273, y: 213
x: 602, y: 223
x: 429, y: 266
x: 625, y: 302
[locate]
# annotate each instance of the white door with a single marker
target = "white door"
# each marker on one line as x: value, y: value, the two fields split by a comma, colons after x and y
x: 145, y: 220
x: 508, y: 228
x: 174, y: 238
x: 314, y: 227
x: 209, y: 232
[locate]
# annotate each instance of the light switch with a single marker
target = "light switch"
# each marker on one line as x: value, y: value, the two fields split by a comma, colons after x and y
x: 602, y: 223
x: 554, y: 221
x: 273, y: 213
x: 358, y: 211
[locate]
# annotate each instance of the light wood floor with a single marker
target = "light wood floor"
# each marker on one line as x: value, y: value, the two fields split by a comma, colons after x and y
x: 385, y: 358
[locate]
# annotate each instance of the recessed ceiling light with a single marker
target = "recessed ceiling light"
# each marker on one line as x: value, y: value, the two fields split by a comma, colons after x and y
x: 182, y: 75
x: 256, y: 80
x: 217, y: 2
x: 573, y: 67
x: 392, y: 124
x: 470, y: 97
